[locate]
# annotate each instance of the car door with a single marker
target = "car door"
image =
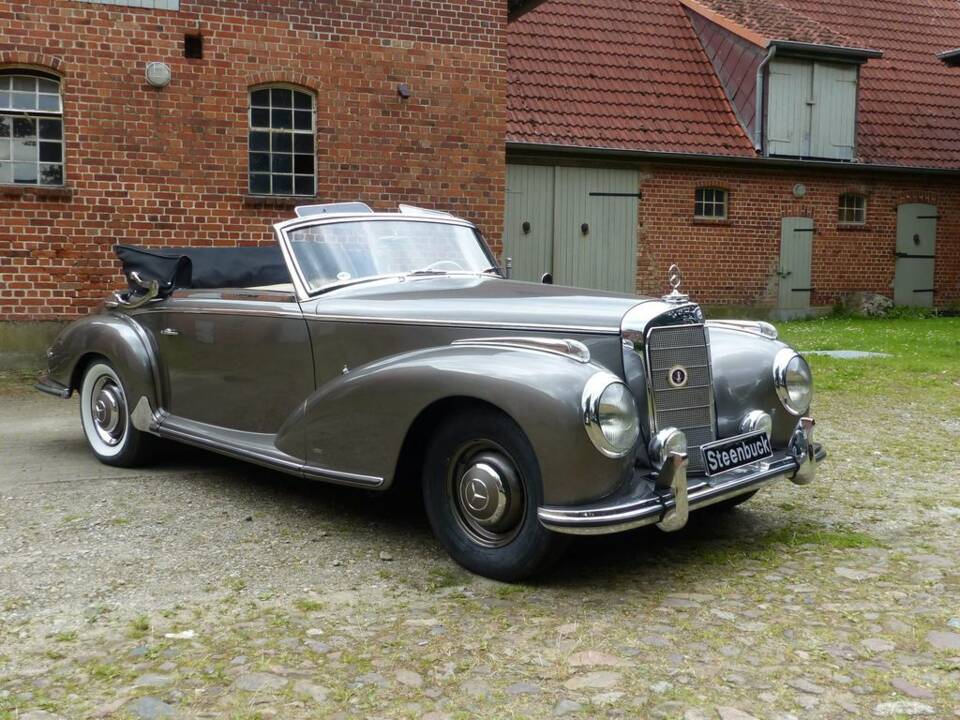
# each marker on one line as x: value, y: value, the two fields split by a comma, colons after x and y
x: 237, y: 359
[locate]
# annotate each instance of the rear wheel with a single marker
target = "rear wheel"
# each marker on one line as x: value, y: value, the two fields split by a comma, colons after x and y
x: 482, y: 488
x: 105, y: 416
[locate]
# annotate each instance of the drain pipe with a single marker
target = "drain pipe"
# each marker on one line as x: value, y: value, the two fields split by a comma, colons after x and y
x: 758, y: 119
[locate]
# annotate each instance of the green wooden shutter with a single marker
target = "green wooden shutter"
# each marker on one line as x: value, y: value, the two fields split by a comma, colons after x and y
x: 834, y: 117
x: 788, y: 111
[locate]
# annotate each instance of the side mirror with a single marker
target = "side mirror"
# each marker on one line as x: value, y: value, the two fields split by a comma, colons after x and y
x: 547, y: 278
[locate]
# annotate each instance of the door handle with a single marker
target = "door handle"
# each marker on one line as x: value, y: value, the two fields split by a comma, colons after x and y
x: 786, y: 274
x: 170, y: 332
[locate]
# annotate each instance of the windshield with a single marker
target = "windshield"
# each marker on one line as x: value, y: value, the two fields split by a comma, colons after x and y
x: 344, y: 252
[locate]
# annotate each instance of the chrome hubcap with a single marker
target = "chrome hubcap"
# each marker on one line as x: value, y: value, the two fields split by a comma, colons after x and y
x: 109, y: 411
x: 487, y: 494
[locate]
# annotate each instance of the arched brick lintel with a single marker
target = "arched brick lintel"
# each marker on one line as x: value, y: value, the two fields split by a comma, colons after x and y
x: 40, y: 61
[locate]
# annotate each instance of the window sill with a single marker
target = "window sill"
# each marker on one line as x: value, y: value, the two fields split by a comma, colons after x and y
x: 40, y: 192
x: 712, y: 221
x: 856, y: 227
x: 282, y: 201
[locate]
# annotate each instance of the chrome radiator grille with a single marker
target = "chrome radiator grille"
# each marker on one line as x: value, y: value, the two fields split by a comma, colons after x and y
x: 689, y: 408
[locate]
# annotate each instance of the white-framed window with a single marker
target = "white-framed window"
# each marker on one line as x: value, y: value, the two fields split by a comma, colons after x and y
x: 710, y: 204
x: 282, y: 140
x: 852, y: 209
x: 31, y: 128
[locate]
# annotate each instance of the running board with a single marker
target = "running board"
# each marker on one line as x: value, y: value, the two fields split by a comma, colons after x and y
x: 256, y: 448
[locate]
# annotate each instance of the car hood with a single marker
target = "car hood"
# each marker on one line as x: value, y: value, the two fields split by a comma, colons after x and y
x: 469, y: 300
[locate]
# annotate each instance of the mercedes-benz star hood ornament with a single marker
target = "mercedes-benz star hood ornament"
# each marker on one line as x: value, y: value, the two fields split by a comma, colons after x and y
x: 675, y: 278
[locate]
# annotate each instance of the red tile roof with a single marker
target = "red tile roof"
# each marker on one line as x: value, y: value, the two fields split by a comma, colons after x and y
x: 632, y: 75
x: 618, y: 74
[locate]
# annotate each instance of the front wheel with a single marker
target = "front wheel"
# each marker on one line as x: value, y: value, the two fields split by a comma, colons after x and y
x: 482, y: 488
x: 105, y: 416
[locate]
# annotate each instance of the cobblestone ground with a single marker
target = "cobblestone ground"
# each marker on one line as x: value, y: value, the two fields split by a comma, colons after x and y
x: 208, y: 588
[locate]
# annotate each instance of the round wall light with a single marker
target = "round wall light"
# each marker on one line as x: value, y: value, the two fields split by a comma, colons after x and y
x: 158, y: 74
x: 799, y: 190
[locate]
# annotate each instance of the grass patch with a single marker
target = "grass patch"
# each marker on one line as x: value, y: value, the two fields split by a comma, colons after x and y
x: 925, y: 354
x: 795, y: 536
x: 139, y: 627
x: 307, y: 605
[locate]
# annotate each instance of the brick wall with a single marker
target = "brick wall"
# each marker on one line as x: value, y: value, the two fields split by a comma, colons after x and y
x: 169, y: 166
x: 735, y: 261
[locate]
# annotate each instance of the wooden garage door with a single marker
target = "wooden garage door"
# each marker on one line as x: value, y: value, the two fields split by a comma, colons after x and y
x: 579, y: 224
x: 528, y: 224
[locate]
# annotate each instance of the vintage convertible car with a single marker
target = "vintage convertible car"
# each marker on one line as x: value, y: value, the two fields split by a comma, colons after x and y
x: 366, y: 347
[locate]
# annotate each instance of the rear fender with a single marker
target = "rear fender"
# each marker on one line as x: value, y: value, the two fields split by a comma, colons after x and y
x: 358, y: 422
x: 119, y: 339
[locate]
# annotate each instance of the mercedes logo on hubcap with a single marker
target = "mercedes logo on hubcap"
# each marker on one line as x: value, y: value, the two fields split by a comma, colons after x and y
x: 678, y: 376
x: 477, y: 496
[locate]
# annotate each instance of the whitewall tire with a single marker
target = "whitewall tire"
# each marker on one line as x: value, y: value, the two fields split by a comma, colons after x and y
x: 105, y: 417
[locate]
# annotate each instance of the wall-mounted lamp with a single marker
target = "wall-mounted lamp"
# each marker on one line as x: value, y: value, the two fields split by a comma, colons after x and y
x: 799, y: 190
x: 403, y: 90
x: 158, y: 74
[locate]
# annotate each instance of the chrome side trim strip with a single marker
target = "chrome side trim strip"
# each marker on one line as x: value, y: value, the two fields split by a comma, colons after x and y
x: 223, y: 311
x: 573, y: 349
x: 268, y: 460
x: 461, y: 323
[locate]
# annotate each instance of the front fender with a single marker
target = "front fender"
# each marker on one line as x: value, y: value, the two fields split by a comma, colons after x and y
x: 120, y: 340
x: 742, y: 364
x: 358, y: 422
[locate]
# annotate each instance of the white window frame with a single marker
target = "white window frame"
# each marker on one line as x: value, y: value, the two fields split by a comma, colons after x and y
x: 41, y: 108
x: 713, y: 198
x: 858, y: 208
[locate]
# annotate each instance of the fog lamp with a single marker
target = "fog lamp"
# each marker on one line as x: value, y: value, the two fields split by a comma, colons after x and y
x: 755, y: 421
x: 664, y: 443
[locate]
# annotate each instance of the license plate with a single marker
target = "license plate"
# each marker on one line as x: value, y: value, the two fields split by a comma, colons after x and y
x: 731, y: 453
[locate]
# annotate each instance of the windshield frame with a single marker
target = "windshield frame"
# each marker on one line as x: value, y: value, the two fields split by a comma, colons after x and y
x: 303, y: 288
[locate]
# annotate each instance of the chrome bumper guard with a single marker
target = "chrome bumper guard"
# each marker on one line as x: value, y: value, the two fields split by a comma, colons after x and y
x: 666, y: 499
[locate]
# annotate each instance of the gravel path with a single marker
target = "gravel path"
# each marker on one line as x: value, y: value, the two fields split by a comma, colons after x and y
x: 208, y: 588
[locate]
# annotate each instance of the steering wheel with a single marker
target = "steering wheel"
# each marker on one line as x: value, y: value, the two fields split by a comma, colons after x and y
x: 437, y: 265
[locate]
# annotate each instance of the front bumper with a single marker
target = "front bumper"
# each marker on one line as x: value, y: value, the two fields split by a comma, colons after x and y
x: 666, y: 498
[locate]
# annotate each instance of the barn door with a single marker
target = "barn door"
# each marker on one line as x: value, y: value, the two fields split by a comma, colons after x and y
x: 595, y: 228
x: 528, y: 225
x: 916, y: 247
x: 796, y: 250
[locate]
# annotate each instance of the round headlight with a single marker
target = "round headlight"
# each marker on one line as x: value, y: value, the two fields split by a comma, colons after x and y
x: 793, y: 380
x: 610, y: 415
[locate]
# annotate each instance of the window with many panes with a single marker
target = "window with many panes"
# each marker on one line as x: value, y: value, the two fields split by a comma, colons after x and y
x: 710, y: 204
x: 31, y: 128
x: 852, y: 209
x: 282, y: 132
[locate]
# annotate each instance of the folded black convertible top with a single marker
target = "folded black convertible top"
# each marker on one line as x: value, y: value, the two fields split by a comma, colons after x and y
x: 204, y: 267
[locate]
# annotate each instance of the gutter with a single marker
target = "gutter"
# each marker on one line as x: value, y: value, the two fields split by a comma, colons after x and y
x: 739, y: 160
x: 758, y: 117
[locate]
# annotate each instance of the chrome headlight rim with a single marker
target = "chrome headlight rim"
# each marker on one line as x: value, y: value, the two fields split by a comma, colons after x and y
x: 781, y: 365
x: 593, y: 392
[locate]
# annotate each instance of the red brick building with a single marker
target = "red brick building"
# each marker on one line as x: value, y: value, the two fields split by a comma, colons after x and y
x: 267, y: 104
x: 788, y: 152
